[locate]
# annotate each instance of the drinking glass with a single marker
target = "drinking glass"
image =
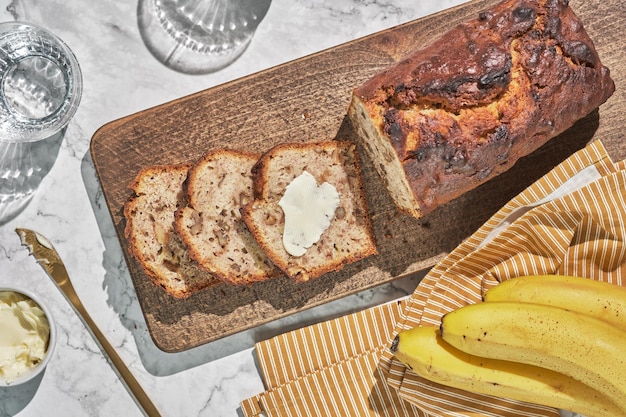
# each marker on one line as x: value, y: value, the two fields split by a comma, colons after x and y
x: 40, y: 89
x: 199, y: 36
x: 41, y: 83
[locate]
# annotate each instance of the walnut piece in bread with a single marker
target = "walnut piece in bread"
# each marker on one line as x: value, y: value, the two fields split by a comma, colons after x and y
x: 349, y: 236
x: 465, y: 108
x: 217, y: 186
x: 150, y: 231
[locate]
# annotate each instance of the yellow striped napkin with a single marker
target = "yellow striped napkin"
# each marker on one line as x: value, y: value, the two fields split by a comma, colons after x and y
x: 570, y: 222
x: 567, y: 222
x: 330, y: 369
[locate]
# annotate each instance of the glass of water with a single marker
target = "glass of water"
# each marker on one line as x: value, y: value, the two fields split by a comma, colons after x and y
x: 41, y: 83
x: 40, y: 88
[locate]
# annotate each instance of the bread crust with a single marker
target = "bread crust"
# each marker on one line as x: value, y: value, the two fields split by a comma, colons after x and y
x: 349, y: 237
x: 152, y: 241
x: 210, y: 224
x: 465, y: 108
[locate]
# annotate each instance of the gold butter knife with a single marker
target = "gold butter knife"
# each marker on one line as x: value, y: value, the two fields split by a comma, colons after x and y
x: 51, y: 262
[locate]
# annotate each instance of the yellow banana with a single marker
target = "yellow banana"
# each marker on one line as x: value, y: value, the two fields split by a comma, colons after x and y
x: 595, y: 298
x: 580, y: 346
x: 423, y: 351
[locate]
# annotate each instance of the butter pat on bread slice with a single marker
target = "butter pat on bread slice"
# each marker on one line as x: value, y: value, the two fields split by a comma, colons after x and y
x: 308, y: 210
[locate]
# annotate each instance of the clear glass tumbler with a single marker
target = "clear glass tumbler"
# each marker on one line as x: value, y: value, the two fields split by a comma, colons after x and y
x: 199, y: 36
x: 40, y: 89
x: 41, y: 83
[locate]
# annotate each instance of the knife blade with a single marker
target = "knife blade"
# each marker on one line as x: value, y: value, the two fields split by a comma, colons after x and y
x: 47, y: 256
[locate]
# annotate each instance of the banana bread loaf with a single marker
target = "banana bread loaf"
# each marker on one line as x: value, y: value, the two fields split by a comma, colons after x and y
x: 465, y: 108
x: 217, y: 186
x: 150, y: 231
x: 346, y: 234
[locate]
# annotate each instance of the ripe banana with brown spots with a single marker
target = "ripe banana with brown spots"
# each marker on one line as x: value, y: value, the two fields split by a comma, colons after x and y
x: 595, y: 298
x: 422, y: 350
x: 582, y: 347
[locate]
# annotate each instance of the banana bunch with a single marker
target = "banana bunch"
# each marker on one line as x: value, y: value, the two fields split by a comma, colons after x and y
x: 551, y: 340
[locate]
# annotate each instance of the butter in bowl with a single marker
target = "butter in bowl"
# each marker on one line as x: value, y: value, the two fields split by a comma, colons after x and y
x: 27, y: 336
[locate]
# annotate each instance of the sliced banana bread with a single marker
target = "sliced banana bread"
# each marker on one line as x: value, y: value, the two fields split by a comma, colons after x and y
x: 217, y: 186
x: 348, y: 237
x: 150, y: 231
x: 466, y: 107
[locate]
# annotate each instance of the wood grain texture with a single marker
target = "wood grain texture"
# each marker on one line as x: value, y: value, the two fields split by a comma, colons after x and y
x: 306, y: 100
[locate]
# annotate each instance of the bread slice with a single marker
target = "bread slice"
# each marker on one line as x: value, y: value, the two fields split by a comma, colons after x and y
x: 217, y: 186
x: 150, y: 231
x: 349, y: 236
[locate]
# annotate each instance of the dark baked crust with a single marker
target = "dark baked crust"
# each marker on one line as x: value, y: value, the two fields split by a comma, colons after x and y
x: 465, y: 108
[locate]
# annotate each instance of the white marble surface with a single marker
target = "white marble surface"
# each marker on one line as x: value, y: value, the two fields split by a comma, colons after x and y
x: 121, y: 77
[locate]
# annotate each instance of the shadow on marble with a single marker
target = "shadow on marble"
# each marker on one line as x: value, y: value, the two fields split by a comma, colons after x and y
x: 13, y: 399
x: 23, y: 166
x: 199, y: 36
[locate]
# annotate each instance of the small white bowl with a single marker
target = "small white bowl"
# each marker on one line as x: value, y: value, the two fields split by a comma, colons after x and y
x: 35, y: 371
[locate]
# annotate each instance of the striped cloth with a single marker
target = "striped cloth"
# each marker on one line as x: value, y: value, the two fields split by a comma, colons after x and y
x: 571, y: 221
x: 330, y: 369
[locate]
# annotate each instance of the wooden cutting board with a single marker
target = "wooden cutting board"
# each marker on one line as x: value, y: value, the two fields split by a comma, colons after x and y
x: 306, y: 100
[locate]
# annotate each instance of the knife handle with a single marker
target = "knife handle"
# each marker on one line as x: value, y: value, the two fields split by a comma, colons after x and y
x: 127, y: 377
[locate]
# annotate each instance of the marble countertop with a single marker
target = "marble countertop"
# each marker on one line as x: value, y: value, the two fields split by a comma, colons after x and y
x: 121, y: 77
